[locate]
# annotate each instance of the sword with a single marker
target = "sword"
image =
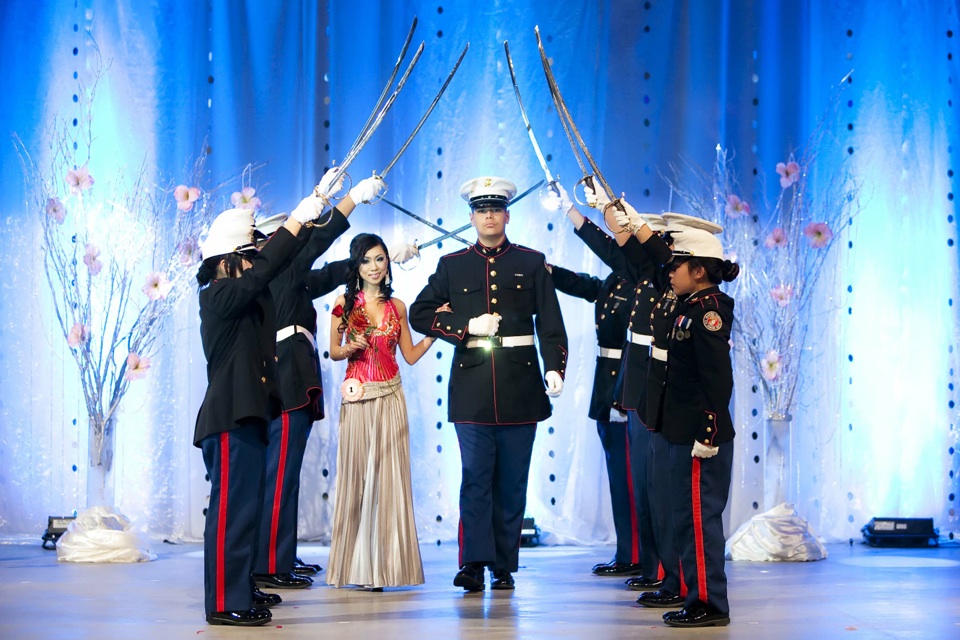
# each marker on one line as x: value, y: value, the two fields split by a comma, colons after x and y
x: 571, y: 129
x: 450, y: 234
x: 526, y: 120
x: 416, y: 129
x: 430, y: 224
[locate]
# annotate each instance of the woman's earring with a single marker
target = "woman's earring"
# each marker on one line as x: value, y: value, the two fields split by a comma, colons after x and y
x: 389, y: 278
x: 359, y: 283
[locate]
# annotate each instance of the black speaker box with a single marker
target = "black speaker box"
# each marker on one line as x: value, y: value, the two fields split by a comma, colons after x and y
x: 900, y: 532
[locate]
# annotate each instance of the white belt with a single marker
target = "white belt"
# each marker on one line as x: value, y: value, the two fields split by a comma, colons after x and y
x: 639, y: 338
x: 286, y: 332
x: 658, y: 354
x: 615, y: 354
x: 499, y: 341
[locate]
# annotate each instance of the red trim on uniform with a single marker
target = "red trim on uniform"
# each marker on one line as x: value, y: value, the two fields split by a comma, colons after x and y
x: 683, y: 583
x: 660, y: 571
x: 698, y: 531
x: 634, y: 530
x: 278, y: 491
x: 460, y: 543
x: 220, y: 578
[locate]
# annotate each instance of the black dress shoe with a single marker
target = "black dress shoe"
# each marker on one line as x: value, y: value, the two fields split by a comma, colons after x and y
x: 640, y: 583
x: 502, y: 580
x: 302, y: 568
x: 248, y: 618
x: 662, y: 599
x: 470, y: 577
x: 617, y: 569
x: 282, y: 580
x: 263, y: 600
x: 700, y: 614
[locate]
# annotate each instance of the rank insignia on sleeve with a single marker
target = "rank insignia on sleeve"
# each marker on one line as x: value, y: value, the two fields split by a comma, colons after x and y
x: 712, y: 321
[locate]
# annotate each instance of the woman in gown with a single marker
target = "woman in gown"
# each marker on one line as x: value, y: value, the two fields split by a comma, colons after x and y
x: 374, y: 540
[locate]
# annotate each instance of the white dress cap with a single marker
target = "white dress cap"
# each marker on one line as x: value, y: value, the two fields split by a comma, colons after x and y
x: 230, y: 231
x: 681, y: 221
x: 269, y: 225
x: 698, y: 243
x: 487, y: 191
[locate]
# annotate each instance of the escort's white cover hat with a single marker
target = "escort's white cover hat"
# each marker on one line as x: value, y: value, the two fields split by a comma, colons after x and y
x: 267, y: 226
x: 681, y: 220
x: 230, y: 231
x: 487, y: 191
x: 654, y: 221
x: 699, y: 243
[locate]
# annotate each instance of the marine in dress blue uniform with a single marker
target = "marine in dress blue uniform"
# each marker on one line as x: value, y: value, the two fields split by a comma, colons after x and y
x: 499, y: 296
x: 301, y: 393
x: 237, y: 330
x: 696, y: 424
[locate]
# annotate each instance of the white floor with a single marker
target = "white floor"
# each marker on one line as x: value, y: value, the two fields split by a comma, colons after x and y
x: 858, y: 592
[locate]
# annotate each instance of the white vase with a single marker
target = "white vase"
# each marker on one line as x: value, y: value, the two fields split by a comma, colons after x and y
x: 100, y: 485
x: 778, y: 471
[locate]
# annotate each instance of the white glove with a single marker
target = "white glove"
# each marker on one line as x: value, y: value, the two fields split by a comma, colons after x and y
x: 327, y: 187
x: 629, y: 219
x: 401, y: 253
x: 594, y: 198
x: 308, y: 210
x: 703, y: 451
x: 555, y: 201
x: 485, y: 325
x: 367, y: 189
x: 554, y: 384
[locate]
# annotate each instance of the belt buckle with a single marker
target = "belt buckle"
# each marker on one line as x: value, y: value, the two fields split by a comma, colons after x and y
x: 494, y: 342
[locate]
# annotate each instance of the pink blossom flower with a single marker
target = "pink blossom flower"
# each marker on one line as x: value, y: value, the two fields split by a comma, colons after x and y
x: 79, y: 334
x: 819, y: 234
x: 245, y: 199
x: 79, y: 180
x: 776, y: 239
x: 137, y: 367
x: 90, y: 258
x: 186, y: 196
x: 55, y: 210
x: 158, y: 286
x: 782, y: 294
x: 789, y: 173
x: 770, y: 365
x: 187, y: 250
x: 736, y: 207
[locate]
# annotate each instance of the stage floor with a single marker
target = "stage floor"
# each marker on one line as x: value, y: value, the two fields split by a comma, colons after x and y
x: 858, y: 592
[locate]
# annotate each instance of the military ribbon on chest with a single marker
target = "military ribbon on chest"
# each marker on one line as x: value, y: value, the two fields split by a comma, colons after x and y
x: 681, y: 328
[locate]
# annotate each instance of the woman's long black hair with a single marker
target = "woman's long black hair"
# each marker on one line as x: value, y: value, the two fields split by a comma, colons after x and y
x: 358, y: 249
x: 717, y: 270
x: 232, y: 263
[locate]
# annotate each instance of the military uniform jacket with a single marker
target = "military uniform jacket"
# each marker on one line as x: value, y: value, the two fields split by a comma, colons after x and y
x: 610, y: 320
x: 293, y: 291
x: 501, y: 385
x: 239, y: 336
x: 699, y: 380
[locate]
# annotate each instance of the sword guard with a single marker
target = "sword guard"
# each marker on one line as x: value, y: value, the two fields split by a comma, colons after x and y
x: 344, y: 190
x: 587, y: 182
x: 616, y: 204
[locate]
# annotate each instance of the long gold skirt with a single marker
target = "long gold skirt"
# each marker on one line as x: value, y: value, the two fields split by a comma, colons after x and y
x: 374, y: 539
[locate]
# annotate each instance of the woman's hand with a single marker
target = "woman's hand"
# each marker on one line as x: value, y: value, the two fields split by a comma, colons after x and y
x: 359, y: 343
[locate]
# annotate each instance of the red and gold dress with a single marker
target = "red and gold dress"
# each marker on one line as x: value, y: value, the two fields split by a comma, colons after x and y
x: 374, y: 539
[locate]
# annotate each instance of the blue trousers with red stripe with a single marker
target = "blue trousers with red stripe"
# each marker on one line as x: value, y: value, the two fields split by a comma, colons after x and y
x: 495, y: 461
x: 639, y: 449
x: 661, y: 512
x: 286, y: 444
x: 613, y: 437
x: 235, y: 464
x: 700, y: 488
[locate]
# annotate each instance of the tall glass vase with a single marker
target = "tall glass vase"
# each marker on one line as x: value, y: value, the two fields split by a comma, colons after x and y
x: 778, y: 484
x: 100, y: 485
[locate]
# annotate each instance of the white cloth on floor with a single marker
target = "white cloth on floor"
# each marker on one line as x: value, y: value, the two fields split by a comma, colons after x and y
x: 102, y: 534
x: 778, y: 535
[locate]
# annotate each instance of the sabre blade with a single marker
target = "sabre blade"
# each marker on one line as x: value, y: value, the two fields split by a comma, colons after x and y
x: 433, y: 226
x: 425, y: 115
x: 523, y: 113
x: 564, y: 114
x: 386, y: 88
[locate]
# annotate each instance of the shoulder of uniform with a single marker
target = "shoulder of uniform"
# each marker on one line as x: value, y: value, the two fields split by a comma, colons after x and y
x: 539, y: 254
x: 454, y: 254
